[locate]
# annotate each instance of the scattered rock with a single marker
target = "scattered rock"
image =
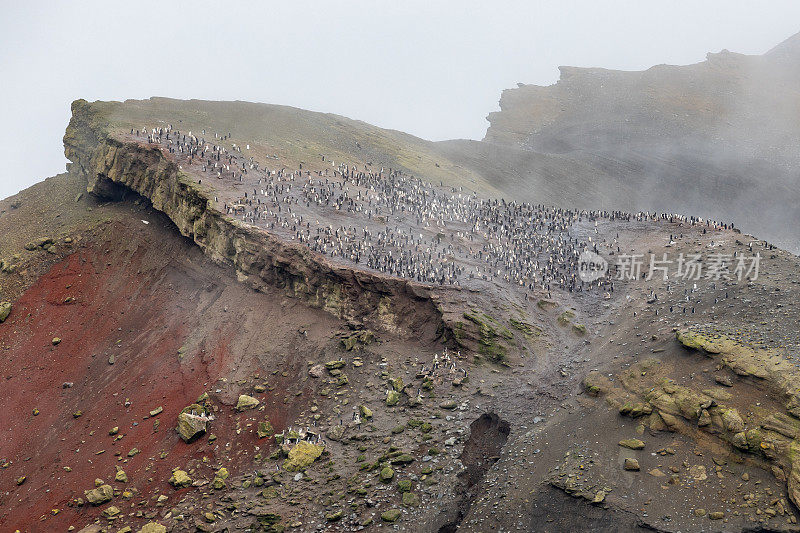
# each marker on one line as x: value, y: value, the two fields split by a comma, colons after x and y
x: 334, y: 365
x: 265, y: 429
x: 111, y: 511
x: 392, y: 398
x: 391, y: 515
x: 725, y: 381
x: 335, y: 433
x: 631, y: 464
x: 410, y: 499
x: 698, y: 472
x: 633, y: 444
x: 246, y: 402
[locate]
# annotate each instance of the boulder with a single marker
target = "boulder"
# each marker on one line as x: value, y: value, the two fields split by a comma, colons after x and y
x: 335, y: 433
x: 391, y: 515
x: 392, y: 398
x: 402, y: 459
x: 99, y: 495
x: 740, y: 440
x: 302, y: 455
x: 5, y: 310
x: 316, y: 371
x: 246, y: 402
x: 191, y: 427
x: 631, y: 464
x: 111, y: 511
x: 633, y: 444
x: 180, y: 479
x: 265, y: 429
x: 410, y: 499
x: 396, y: 383
x: 153, y: 527
x: 733, y: 422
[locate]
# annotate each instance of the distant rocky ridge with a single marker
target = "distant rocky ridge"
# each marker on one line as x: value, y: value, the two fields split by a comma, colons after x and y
x: 716, y: 139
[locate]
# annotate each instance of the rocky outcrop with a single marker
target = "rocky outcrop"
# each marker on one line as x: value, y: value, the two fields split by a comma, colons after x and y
x: 770, y: 435
x: 115, y: 168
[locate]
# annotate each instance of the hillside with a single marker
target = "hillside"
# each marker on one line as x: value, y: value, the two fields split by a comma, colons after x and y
x: 204, y: 337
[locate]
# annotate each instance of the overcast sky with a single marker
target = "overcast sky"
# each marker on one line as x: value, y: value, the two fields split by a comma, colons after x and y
x: 433, y: 69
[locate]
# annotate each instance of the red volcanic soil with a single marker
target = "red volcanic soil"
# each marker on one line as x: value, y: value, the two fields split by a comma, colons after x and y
x: 176, y: 325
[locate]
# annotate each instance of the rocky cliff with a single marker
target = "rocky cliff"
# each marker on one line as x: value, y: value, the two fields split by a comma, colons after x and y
x: 114, y: 169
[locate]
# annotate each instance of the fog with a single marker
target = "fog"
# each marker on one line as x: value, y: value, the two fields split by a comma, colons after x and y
x: 433, y: 69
